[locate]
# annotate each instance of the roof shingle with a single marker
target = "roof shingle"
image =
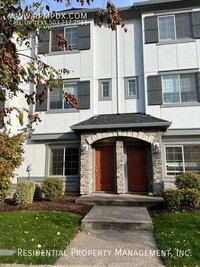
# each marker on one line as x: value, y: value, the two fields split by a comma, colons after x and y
x: 120, y: 121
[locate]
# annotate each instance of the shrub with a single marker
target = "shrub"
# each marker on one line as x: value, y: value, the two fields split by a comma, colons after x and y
x: 25, y: 192
x: 172, y: 197
x: 191, y: 198
x: 188, y: 180
x: 5, y: 187
x: 52, y: 188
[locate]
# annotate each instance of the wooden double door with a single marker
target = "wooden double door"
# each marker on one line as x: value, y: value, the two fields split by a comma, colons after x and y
x: 136, y: 168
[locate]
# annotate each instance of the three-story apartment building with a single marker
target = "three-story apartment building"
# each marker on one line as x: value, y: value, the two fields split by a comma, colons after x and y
x: 138, y: 124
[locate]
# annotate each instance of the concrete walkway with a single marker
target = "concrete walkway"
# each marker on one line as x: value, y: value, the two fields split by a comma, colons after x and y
x: 114, y: 236
x: 112, y: 248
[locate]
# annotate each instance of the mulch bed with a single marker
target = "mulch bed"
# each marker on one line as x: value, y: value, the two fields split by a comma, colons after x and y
x: 64, y: 203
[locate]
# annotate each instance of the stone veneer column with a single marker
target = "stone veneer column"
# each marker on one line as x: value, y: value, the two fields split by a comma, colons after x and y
x: 120, y: 167
x: 157, y: 165
x: 86, y: 180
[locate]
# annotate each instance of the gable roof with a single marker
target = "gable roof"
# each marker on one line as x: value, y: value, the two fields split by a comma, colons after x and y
x: 121, y: 121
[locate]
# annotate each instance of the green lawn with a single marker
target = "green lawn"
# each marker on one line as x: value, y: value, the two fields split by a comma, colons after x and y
x: 36, y: 232
x: 180, y: 234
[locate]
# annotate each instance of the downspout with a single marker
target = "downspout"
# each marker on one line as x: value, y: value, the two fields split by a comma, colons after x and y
x: 117, y: 71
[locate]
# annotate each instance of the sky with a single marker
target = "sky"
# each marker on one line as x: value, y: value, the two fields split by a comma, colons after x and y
x: 95, y: 4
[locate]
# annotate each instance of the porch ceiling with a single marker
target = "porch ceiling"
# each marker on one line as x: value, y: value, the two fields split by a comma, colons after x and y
x: 122, y: 121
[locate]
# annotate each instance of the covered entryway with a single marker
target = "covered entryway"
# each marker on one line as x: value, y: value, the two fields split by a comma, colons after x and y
x: 104, y: 158
x: 104, y: 168
x: 137, y: 168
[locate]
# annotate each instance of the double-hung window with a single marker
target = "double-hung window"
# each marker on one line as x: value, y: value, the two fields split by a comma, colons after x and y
x: 64, y: 161
x: 183, y: 158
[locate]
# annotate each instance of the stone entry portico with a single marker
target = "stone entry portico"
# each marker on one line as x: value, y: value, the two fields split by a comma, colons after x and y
x: 88, y: 141
x: 131, y: 129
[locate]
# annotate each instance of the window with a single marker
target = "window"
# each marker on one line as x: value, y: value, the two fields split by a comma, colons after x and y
x: 56, y: 165
x: 173, y: 89
x: 78, y: 37
x: 105, y: 92
x: 54, y: 32
x: 174, y: 160
x: 105, y: 89
x: 131, y: 87
x: 172, y: 27
x: 175, y: 27
x: 179, y: 88
x: 56, y: 96
x: 71, y: 161
x: 167, y: 28
x: 54, y: 100
x: 182, y: 158
x: 64, y: 161
x: 71, y: 34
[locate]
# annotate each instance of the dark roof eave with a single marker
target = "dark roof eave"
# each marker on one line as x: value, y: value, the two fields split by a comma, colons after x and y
x: 164, y: 125
x: 155, y: 2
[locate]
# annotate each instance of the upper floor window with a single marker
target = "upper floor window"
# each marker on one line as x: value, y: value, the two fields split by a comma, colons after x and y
x: 71, y: 34
x: 105, y: 92
x: 173, y: 88
x: 105, y: 89
x: 54, y: 100
x: 172, y: 27
x: 130, y: 87
x: 183, y: 158
x: 77, y: 36
x: 179, y: 88
x: 167, y: 28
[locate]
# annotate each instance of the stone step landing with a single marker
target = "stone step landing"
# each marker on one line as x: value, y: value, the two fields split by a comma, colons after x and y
x: 117, y: 218
x: 120, y: 200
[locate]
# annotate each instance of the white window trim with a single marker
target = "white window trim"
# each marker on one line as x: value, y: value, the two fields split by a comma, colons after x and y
x: 101, y: 98
x: 173, y: 176
x: 175, y: 36
x: 126, y: 87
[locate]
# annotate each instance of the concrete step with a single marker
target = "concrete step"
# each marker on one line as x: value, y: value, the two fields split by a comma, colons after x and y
x: 120, y: 200
x: 117, y: 218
